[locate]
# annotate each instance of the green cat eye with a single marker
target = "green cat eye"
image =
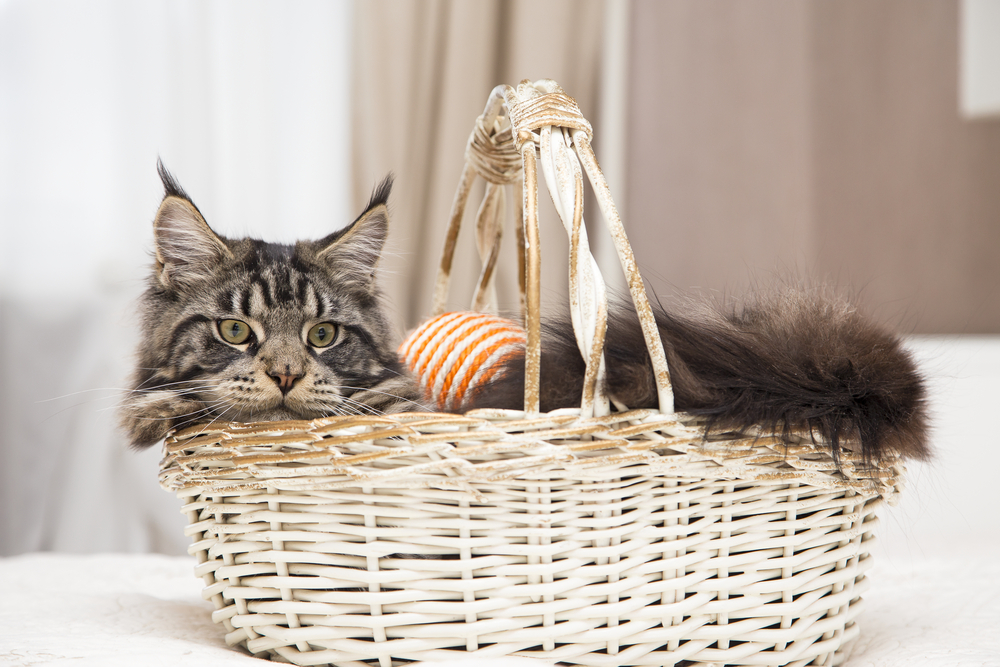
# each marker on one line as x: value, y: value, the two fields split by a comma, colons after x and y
x: 234, y: 331
x: 323, y: 334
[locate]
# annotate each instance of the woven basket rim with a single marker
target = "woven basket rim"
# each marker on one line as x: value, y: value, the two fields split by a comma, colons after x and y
x: 445, y: 450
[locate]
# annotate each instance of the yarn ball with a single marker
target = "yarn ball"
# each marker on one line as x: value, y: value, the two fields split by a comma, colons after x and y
x: 454, y: 354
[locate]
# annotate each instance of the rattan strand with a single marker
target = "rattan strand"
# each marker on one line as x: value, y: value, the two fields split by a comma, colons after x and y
x: 492, y: 154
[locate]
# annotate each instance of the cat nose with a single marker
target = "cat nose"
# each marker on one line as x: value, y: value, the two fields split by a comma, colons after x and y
x: 285, y: 381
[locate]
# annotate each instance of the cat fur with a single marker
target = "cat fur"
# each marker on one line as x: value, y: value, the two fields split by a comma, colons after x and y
x: 795, y: 359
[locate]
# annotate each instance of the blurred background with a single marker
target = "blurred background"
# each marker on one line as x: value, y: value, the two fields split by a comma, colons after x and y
x: 853, y: 142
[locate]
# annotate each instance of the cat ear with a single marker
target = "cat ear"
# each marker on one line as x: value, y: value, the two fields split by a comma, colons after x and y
x: 352, y: 254
x: 187, y: 250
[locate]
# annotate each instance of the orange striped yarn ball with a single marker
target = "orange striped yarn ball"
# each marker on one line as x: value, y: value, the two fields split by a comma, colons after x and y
x: 453, y: 354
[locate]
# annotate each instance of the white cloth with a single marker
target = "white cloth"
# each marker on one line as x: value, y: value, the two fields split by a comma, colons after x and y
x: 929, y: 612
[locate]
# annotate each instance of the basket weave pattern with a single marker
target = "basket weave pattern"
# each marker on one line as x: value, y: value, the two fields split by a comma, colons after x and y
x: 583, y: 536
x: 645, y: 545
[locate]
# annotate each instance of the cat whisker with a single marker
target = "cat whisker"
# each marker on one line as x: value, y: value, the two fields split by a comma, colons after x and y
x: 220, y: 415
x: 180, y: 393
x: 117, y: 405
x: 402, y: 399
x: 116, y: 390
x: 346, y: 409
x: 143, y: 385
x: 358, y: 407
x: 209, y: 409
x: 113, y: 392
x: 171, y: 385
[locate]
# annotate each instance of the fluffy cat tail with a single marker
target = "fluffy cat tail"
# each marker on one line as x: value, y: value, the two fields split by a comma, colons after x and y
x: 789, y: 361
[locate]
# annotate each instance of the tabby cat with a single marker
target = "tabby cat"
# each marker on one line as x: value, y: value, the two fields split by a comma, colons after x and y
x: 244, y: 330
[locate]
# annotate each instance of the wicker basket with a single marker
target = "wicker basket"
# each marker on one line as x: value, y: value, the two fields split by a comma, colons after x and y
x: 584, y: 536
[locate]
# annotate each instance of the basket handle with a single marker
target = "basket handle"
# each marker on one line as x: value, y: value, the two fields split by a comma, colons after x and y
x: 517, y: 128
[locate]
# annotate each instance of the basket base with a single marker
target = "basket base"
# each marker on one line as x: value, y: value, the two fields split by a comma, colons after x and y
x: 633, y: 571
x: 488, y: 659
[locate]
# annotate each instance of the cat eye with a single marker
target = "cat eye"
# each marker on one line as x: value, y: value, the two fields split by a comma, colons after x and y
x: 322, y: 335
x: 235, y: 332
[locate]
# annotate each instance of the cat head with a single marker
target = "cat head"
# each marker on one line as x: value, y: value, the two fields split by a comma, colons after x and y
x: 245, y: 330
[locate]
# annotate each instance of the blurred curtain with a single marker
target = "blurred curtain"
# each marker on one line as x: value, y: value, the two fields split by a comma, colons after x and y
x: 423, y: 70
x: 247, y: 103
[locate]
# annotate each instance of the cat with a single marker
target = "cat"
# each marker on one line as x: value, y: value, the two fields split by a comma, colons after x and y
x: 244, y: 330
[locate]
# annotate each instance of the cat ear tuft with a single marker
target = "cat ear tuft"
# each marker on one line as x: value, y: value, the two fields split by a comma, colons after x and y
x: 352, y: 254
x: 171, y: 188
x: 380, y: 195
x: 187, y: 250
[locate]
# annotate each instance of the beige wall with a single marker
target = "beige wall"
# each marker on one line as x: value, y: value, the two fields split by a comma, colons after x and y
x: 772, y: 139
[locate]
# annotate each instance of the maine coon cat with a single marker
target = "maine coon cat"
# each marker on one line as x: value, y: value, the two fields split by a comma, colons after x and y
x: 244, y: 330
